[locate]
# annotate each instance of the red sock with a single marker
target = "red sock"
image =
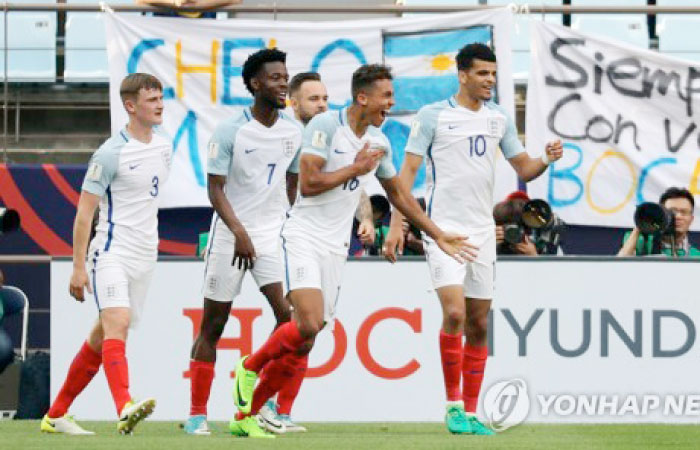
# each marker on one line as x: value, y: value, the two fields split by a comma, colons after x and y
x: 81, y: 371
x: 451, y: 357
x: 275, y: 375
x: 202, y: 374
x: 116, y: 371
x: 290, y: 390
x: 473, y: 374
x: 283, y: 340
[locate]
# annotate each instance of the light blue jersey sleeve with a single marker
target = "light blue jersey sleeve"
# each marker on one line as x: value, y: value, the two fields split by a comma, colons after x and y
x: 318, y: 134
x: 510, y: 144
x: 386, y: 167
x: 423, y: 129
x: 220, y: 147
x: 103, y: 166
x: 294, y: 166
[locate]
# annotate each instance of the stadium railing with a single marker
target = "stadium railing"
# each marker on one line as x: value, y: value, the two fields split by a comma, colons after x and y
x: 58, y: 49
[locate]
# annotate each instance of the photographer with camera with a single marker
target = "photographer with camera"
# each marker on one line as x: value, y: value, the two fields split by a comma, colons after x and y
x: 662, y: 228
x: 526, y: 227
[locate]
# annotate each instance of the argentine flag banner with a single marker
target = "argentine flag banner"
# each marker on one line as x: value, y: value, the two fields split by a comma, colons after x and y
x: 200, y: 62
x: 424, y: 63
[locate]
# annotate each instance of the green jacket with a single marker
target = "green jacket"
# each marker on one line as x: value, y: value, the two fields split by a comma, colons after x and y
x: 640, y: 250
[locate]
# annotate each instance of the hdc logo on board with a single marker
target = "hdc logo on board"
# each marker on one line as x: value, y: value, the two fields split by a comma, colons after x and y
x: 244, y: 342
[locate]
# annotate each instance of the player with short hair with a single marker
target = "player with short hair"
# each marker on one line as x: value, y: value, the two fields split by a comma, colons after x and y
x: 124, y: 177
x: 460, y: 137
x: 249, y: 159
x: 340, y: 151
x: 308, y: 96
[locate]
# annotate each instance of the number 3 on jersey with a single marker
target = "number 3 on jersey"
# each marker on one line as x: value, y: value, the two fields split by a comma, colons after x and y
x: 154, y: 184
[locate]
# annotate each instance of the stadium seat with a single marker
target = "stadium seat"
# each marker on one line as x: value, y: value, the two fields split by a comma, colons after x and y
x: 86, y: 55
x: 679, y: 35
x: 85, y: 45
x: 629, y: 28
x: 31, y: 46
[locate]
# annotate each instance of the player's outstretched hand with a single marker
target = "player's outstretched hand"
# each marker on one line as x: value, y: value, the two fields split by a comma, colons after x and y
x: 244, y: 252
x: 458, y: 247
x: 78, y: 281
x: 367, y: 159
x: 554, y: 150
x: 393, y: 244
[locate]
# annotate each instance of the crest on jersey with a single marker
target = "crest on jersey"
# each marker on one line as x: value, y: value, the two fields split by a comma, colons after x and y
x: 495, y: 126
x: 167, y: 156
x: 288, y: 147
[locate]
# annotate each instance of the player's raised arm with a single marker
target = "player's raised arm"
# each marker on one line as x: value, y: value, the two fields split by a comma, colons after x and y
x: 87, y: 204
x: 525, y: 166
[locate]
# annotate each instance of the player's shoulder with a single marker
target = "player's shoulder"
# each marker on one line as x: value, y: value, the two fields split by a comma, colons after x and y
x: 113, y: 146
x: 230, y: 125
x: 160, y: 135
x: 289, y: 121
x: 376, y: 133
x: 436, y: 106
x: 431, y: 111
x: 328, y: 121
x: 495, y: 108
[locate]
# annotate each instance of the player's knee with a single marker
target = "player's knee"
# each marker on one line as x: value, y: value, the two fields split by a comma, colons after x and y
x: 477, y: 329
x: 454, y: 317
x: 283, y: 314
x: 310, y: 328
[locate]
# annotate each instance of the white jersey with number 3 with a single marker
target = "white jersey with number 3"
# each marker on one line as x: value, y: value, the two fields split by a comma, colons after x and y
x: 461, y: 145
x: 128, y: 175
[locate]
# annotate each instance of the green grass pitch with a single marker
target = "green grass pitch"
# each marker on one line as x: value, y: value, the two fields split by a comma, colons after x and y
x: 25, y: 435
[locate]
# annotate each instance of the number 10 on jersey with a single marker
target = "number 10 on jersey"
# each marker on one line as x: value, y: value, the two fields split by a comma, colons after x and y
x: 477, y: 145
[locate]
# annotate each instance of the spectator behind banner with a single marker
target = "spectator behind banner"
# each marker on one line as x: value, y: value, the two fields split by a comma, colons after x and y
x: 671, y: 238
x: 172, y: 8
x: 10, y: 304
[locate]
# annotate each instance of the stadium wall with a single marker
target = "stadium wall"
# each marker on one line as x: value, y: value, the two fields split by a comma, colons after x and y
x: 580, y: 333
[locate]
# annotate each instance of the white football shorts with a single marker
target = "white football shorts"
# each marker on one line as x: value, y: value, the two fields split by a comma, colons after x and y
x: 119, y: 282
x: 477, y: 278
x: 223, y: 281
x: 308, y: 266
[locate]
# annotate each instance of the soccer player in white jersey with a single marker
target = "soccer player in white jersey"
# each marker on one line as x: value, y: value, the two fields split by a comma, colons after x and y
x: 249, y: 156
x: 124, y: 178
x: 340, y: 151
x: 460, y: 137
x: 308, y: 97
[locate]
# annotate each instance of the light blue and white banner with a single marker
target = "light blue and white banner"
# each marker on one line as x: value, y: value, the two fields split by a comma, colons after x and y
x: 200, y: 61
